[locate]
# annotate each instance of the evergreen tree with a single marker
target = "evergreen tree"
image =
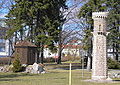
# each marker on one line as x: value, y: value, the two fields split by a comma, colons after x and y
x: 114, y: 21
x: 85, y: 13
x: 114, y: 27
x: 41, y: 19
x: 17, y: 67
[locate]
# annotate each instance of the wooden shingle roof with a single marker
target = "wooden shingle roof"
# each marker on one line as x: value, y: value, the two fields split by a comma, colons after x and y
x: 25, y: 43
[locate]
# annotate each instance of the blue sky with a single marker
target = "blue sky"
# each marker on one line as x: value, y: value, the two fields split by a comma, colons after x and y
x: 70, y: 24
x: 4, y: 11
x: 70, y: 3
x: 5, y: 7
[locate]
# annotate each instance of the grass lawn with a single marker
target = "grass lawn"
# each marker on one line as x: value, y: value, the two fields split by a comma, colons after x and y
x: 52, y: 77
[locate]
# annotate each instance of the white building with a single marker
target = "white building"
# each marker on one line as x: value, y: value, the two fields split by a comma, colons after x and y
x: 71, y: 49
x: 5, y: 49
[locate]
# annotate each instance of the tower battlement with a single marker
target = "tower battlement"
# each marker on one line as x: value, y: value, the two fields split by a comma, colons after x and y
x: 99, y: 15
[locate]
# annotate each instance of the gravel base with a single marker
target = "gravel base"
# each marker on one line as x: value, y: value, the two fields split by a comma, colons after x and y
x: 102, y: 81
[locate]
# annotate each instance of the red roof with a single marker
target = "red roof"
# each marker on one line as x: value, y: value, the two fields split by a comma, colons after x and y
x: 71, y: 46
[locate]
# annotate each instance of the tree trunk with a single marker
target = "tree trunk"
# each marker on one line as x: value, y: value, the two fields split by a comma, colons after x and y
x: 89, y: 62
x: 117, y: 53
x: 42, y: 55
x: 89, y: 65
x: 114, y: 57
x: 60, y: 47
x: 15, y: 38
x: 59, y: 56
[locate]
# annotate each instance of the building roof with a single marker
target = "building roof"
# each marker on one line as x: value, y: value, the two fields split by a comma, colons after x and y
x: 25, y: 43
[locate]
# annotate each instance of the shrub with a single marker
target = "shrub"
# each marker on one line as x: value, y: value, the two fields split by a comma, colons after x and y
x: 113, y: 64
x: 17, y: 67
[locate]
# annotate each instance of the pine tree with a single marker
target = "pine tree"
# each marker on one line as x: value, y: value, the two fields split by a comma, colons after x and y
x: 41, y: 18
x: 113, y: 21
x: 114, y: 27
x: 17, y: 67
x: 85, y: 14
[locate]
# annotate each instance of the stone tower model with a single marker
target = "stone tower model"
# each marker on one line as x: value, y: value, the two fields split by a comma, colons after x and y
x: 99, y: 65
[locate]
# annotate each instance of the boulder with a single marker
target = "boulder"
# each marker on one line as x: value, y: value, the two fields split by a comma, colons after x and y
x: 6, y: 68
x: 114, y: 75
x: 35, y: 69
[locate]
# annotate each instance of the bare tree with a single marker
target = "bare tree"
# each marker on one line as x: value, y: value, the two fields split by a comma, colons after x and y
x: 72, y: 27
x: 5, y: 6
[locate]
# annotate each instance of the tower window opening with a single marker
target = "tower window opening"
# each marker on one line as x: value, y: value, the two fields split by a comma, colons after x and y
x: 100, y: 33
x: 99, y: 27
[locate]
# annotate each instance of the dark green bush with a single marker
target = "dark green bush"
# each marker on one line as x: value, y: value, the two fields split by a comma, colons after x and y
x: 113, y: 64
x: 17, y: 67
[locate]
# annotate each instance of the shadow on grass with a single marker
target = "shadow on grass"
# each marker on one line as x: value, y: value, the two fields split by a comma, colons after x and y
x: 10, y: 80
x: 116, y: 80
x: 12, y: 75
x: 67, y: 67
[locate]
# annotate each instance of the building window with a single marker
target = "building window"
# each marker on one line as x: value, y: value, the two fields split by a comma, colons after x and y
x: 100, y: 33
x: 2, y: 48
x: 99, y: 27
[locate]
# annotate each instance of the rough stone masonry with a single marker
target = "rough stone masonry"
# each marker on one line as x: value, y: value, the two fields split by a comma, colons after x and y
x: 99, y: 65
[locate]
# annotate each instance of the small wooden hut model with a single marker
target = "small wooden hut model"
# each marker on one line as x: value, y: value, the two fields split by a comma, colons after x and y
x: 26, y: 52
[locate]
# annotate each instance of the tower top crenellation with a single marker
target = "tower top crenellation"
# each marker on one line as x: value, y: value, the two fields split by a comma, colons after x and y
x: 99, y: 15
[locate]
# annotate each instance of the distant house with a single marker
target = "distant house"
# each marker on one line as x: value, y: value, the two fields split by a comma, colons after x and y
x: 111, y: 53
x: 72, y: 48
x: 5, y: 49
